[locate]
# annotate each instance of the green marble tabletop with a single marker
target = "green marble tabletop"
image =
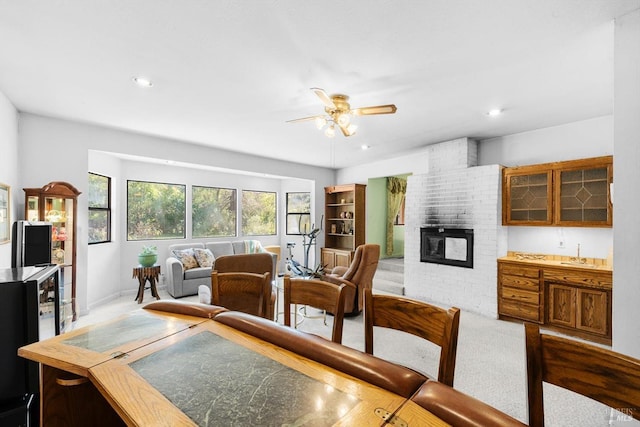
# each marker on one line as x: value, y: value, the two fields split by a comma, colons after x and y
x: 220, y: 383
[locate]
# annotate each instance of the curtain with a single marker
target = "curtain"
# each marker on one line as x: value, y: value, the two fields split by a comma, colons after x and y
x: 396, y: 189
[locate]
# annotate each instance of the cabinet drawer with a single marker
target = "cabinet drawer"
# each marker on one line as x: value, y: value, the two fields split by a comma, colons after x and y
x: 520, y: 282
x: 520, y: 295
x: 519, y: 310
x: 517, y: 270
x: 579, y: 278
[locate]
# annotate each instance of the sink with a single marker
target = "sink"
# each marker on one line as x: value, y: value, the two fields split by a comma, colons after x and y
x: 578, y: 263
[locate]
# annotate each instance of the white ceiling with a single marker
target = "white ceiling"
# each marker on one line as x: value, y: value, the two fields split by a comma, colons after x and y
x: 229, y: 73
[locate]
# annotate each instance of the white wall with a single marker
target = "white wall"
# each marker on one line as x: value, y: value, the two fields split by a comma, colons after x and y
x: 9, y: 168
x: 104, y: 259
x: 626, y: 204
x: 57, y: 150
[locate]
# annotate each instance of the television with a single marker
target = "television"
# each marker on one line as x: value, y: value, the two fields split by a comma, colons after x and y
x: 31, y: 243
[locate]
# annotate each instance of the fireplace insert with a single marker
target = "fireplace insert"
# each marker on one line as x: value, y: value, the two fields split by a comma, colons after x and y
x: 449, y: 246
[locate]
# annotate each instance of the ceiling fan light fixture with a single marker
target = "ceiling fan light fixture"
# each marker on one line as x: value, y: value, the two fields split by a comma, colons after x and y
x: 320, y: 122
x: 351, y: 129
x: 344, y: 119
x: 330, y: 132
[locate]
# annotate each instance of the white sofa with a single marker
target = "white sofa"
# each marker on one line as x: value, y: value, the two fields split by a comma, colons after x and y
x: 182, y: 283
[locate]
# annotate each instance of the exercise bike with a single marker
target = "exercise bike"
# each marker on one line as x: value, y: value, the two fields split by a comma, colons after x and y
x: 294, y: 266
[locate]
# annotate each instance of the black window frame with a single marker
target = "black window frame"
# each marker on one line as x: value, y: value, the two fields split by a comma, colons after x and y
x: 106, y: 209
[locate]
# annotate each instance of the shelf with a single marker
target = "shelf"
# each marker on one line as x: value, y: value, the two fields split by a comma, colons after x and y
x: 339, y: 235
x: 341, y: 219
x: 339, y: 204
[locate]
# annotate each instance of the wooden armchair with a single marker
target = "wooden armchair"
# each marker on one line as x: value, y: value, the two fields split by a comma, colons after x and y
x: 598, y: 373
x: 319, y: 294
x: 357, y: 277
x: 423, y: 320
x: 245, y: 292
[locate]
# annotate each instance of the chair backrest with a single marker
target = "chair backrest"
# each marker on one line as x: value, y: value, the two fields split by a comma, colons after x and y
x: 421, y: 319
x: 246, y: 263
x: 319, y: 294
x: 239, y: 291
x: 362, y: 269
x: 598, y: 373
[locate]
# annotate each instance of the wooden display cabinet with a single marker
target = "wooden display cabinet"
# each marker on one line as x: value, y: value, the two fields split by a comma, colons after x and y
x: 572, y: 193
x: 57, y: 203
x: 345, y: 224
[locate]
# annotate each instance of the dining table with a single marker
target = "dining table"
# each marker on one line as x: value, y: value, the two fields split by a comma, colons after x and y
x: 158, y: 368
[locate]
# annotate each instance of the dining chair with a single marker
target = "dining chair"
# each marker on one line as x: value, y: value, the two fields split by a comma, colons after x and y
x: 432, y: 323
x: 318, y: 294
x: 239, y: 291
x: 601, y: 374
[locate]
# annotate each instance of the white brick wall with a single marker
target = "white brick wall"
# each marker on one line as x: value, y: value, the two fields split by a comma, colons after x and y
x: 454, y: 195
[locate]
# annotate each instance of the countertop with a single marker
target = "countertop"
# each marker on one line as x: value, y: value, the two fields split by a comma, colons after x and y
x: 546, y: 260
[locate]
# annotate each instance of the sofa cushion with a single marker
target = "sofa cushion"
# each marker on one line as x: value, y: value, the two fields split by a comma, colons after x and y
x: 187, y: 258
x: 204, y: 257
x: 197, y: 273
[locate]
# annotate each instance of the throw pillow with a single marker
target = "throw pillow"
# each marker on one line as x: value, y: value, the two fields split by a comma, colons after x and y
x: 204, y: 257
x: 187, y: 258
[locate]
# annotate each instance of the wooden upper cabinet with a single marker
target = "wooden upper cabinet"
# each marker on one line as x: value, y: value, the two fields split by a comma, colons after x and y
x: 582, y: 193
x: 527, y: 196
x: 573, y: 193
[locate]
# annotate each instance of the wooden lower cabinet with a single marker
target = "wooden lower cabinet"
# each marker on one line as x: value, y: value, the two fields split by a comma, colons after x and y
x: 335, y: 257
x: 519, y: 292
x: 583, y: 309
x: 573, y: 301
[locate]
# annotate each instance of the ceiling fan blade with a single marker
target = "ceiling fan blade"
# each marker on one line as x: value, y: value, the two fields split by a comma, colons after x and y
x: 348, y: 130
x: 378, y: 109
x: 326, y: 99
x: 303, y: 119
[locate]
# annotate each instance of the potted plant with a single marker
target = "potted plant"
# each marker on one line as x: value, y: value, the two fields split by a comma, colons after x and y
x: 148, y: 256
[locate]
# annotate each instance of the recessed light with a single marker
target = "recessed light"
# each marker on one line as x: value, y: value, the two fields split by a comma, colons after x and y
x: 495, y: 112
x: 142, y: 81
x: 365, y: 147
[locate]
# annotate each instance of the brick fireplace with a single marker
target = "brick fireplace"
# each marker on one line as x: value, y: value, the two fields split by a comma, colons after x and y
x: 455, y: 194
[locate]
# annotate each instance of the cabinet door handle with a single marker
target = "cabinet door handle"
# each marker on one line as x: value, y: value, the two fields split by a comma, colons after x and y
x: 71, y: 382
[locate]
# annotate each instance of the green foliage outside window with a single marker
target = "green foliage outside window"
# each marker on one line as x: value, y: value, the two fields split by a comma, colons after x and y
x: 99, y: 200
x: 298, y: 213
x: 258, y: 213
x: 213, y: 212
x: 155, y: 210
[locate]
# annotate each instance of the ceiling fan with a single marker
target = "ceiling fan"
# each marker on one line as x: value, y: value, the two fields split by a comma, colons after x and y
x: 339, y: 113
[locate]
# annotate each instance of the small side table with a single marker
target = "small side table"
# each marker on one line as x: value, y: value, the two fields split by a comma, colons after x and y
x: 144, y: 274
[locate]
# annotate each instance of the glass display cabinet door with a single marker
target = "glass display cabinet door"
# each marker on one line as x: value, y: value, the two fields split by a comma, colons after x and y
x: 56, y: 203
x: 583, y: 196
x: 528, y: 198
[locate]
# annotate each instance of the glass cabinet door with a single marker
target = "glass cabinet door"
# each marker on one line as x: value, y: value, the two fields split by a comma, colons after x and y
x: 528, y: 198
x: 583, y: 196
x: 56, y: 203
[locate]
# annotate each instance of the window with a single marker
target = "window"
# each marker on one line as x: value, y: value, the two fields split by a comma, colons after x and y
x: 213, y: 212
x: 298, y: 213
x: 155, y: 210
x: 99, y: 208
x: 258, y: 213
